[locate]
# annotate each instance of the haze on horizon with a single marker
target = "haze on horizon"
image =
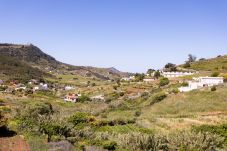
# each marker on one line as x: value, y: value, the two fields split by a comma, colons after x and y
x: 130, y: 35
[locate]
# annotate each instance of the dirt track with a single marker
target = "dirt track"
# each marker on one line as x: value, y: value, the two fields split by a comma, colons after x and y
x: 15, y: 143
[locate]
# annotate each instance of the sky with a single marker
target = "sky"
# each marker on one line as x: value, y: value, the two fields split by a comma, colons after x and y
x: 130, y: 35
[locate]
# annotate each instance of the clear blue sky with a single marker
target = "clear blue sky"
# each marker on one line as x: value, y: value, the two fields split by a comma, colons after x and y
x: 131, y: 35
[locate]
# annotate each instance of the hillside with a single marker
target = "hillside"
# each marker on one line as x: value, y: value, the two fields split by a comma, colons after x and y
x: 13, y: 69
x: 219, y: 63
x: 35, y: 57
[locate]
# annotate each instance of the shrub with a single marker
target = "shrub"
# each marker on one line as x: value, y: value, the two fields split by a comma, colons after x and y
x: 138, y: 113
x: 145, y: 95
x: 138, y: 141
x: 33, y: 115
x: 187, y: 65
x: 139, y: 77
x: 121, y: 93
x: 186, y: 140
x: 110, y: 145
x: 163, y: 81
x: 220, y: 130
x: 81, y: 118
x: 213, y: 88
x: 215, y: 74
x: 3, y: 88
x: 175, y: 91
x: 83, y: 98
x: 157, y: 74
x: 157, y: 98
x: 54, y: 129
x: 184, y: 84
x: 115, y: 87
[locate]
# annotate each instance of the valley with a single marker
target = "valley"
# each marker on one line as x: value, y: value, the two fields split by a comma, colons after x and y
x: 54, y: 105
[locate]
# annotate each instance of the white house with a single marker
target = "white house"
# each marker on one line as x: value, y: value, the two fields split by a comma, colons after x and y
x: 71, y: 98
x: 148, y: 80
x: 20, y: 87
x: 43, y: 86
x: 202, y: 82
x: 176, y: 74
x: 128, y: 78
x: 67, y: 88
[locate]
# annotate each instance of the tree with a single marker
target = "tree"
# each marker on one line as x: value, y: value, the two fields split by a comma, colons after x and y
x: 171, y: 67
x: 52, y: 128
x: 157, y: 74
x: 191, y: 58
x: 139, y: 77
x: 150, y: 71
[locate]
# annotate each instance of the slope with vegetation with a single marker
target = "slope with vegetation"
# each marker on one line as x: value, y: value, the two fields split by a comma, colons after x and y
x: 214, y: 64
x: 33, y: 56
x: 134, y: 115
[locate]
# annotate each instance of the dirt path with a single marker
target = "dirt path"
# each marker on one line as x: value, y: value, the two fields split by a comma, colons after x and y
x: 15, y: 143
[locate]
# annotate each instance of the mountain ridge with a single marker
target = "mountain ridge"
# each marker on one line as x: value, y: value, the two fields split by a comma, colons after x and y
x: 35, y: 57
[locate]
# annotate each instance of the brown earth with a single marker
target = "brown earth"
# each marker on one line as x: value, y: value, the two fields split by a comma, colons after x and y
x: 16, y: 143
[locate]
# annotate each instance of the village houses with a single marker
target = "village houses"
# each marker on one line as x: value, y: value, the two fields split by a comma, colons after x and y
x: 128, y: 78
x: 201, y: 82
x: 71, y: 97
x: 176, y: 74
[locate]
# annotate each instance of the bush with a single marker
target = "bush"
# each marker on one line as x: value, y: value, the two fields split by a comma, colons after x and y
x: 83, y: 98
x: 215, y: 74
x: 163, y: 81
x: 220, y: 130
x: 157, y: 98
x: 187, y: 65
x: 191, y: 141
x: 145, y: 95
x: 175, y: 91
x: 121, y: 93
x: 138, y: 141
x: 54, y: 129
x: 81, y: 118
x: 110, y: 145
x: 184, y: 84
x: 157, y: 74
x: 3, y: 88
x: 138, y: 113
x: 33, y: 115
x: 213, y: 88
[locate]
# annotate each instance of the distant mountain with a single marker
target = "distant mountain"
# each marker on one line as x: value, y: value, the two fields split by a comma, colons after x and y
x: 36, y: 58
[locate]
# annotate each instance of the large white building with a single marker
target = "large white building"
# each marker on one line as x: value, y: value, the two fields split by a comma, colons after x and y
x: 201, y: 82
x: 176, y: 74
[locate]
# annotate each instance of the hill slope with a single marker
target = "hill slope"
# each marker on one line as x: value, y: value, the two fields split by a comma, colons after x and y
x: 33, y: 56
x: 13, y: 69
x: 218, y: 63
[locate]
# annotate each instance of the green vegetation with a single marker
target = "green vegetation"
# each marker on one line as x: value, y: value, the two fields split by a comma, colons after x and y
x: 214, y: 64
x: 163, y: 81
x: 220, y: 130
x: 13, y: 69
x: 215, y: 74
x: 133, y: 115
x: 157, y: 98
